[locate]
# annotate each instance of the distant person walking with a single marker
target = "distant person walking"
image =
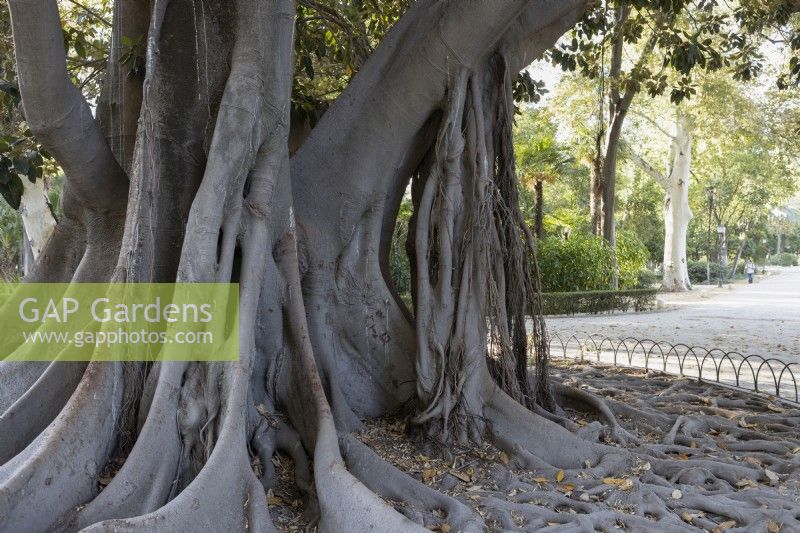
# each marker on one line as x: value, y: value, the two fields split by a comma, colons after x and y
x: 750, y: 269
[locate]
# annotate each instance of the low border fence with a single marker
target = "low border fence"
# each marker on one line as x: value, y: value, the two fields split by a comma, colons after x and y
x: 752, y: 373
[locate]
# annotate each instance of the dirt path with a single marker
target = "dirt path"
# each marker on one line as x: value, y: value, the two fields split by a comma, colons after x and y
x: 763, y: 318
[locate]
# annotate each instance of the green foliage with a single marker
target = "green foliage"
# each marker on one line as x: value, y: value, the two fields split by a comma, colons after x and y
x: 689, y: 36
x: 333, y: 39
x: 10, y: 243
x: 631, y: 258
x: 746, y: 156
x: 778, y: 21
x: 594, y: 302
x: 697, y: 271
x: 133, y: 54
x: 540, y: 156
x: 579, y: 263
x: 785, y: 259
x: 399, y: 268
x: 586, y: 262
x: 86, y: 35
x: 648, y: 278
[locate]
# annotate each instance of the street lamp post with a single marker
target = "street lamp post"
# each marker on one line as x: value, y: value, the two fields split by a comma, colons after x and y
x: 720, y: 240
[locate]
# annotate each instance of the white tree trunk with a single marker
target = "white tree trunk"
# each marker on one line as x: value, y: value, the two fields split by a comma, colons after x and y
x: 677, y: 212
x: 37, y: 217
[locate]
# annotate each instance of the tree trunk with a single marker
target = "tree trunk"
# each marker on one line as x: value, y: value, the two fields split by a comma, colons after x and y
x: 677, y: 213
x: 205, y: 171
x: 201, y: 189
x: 739, y: 250
x: 609, y: 176
x: 596, y: 188
x: 538, y: 216
x: 37, y: 216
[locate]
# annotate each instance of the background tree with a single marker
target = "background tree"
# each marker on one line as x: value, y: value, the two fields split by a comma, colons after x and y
x: 677, y: 213
x: 540, y: 159
x: 742, y: 154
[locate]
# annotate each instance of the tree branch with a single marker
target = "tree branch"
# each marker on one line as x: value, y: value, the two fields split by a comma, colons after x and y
x: 649, y: 169
x: 92, y: 12
x: 653, y: 123
x: 529, y: 36
x: 615, y: 69
x: 56, y: 111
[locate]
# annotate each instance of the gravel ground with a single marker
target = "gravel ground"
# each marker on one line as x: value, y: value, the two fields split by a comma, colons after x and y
x: 762, y: 318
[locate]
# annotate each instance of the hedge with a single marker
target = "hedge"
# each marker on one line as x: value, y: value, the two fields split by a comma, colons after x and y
x: 594, y: 302
x: 783, y: 259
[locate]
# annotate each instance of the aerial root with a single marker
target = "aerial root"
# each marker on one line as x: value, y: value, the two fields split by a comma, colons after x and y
x: 614, y: 432
x: 275, y: 435
x: 149, y: 475
x: 225, y: 491
x: 58, y: 471
x: 538, y: 443
x: 16, y: 377
x: 532, y: 516
x: 26, y: 417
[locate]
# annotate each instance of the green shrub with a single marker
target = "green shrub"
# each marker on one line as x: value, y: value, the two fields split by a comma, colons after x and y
x: 586, y: 262
x: 784, y: 260
x: 594, y: 302
x: 648, y: 278
x: 580, y: 263
x: 632, y: 257
x: 697, y: 271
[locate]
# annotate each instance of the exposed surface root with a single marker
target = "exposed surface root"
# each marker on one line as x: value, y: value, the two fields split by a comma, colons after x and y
x: 711, y: 485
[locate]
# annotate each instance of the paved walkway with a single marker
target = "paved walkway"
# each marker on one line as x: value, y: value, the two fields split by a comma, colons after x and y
x: 763, y: 318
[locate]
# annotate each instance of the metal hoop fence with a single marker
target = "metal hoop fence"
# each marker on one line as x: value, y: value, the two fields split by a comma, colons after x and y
x: 751, y: 373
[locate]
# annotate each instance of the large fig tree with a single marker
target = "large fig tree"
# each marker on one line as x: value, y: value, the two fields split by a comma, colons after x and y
x: 183, y: 173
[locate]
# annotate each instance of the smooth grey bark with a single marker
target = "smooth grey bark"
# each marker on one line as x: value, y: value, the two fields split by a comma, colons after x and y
x: 214, y: 196
x: 323, y: 339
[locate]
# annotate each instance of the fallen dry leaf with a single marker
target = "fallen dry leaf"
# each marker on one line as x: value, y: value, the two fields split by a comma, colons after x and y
x: 504, y: 458
x: 566, y: 487
x: 773, y: 526
x: 753, y: 461
x: 624, y: 484
x: 428, y: 474
x: 743, y: 423
x: 541, y: 480
x: 272, y: 499
x: 746, y: 483
x: 772, y: 476
x: 461, y: 475
x: 560, y: 476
